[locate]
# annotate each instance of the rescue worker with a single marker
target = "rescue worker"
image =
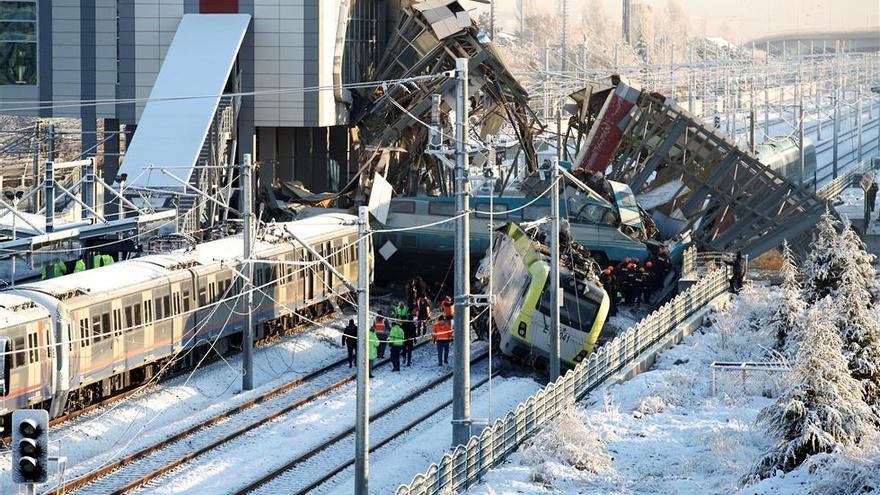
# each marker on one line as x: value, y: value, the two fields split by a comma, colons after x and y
x: 423, y: 313
x: 629, y: 284
x: 448, y: 308
x: 607, y: 279
x: 645, y: 285
x: 872, y: 196
x: 409, y: 333
x: 396, y: 340
x: 739, y: 273
x: 442, y: 335
x: 381, y: 328
x: 374, y: 346
x: 400, y: 313
x: 349, y: 340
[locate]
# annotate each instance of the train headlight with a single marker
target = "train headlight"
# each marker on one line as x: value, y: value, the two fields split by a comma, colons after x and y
x: 580, y: 356
x: 522, y: 329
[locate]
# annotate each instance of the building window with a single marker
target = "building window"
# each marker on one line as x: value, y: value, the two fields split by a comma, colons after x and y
x: 18, y: 43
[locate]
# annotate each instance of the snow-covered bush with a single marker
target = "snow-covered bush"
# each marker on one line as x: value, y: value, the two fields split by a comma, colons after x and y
x: 568, y: 443
x: 788, y: 309
x: 823, y: 410
x: 849, y: 474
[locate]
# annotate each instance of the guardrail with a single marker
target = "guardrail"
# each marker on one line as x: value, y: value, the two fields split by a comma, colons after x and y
x: 465, y: 465
x: 744, y: 367
x: 836, y: 186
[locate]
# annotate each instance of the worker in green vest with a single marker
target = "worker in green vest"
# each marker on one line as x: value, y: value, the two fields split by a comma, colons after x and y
x: 395, y: 340
x: 374, y: 349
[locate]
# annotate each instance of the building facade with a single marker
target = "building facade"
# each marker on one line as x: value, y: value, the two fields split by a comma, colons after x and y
x: 98, y: 59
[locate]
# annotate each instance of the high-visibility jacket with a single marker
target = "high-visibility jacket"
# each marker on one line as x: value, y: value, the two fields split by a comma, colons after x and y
x: 442, y: 331
x: 396, y: 337
x: 401, y: 313
x: 79, y: 266
x: 374, y: 345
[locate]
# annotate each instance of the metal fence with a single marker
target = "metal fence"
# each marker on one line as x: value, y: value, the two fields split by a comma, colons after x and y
x: 464, y: 466
x: 849, y: 179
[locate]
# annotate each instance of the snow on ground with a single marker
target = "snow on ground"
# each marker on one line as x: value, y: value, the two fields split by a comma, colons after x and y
x: 284, y: 438
x: 411, y: 454
x: 664, y: 432
x: 156, y: 413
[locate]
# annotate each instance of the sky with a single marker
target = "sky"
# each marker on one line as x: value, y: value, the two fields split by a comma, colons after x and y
x: 742, y: 20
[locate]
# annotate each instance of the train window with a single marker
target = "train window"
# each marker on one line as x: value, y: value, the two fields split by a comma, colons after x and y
x: 106, y: 329
x: 402, y: 207
x: 282, y: 274
x: 212, y: 292
x: 33, y: 350
x: 148, y: 311
x: 137, y: 315
x: 84, y: 332
x: 445, y: 208
x: 484, y: 206
x: 18, y: 347
x: 533, y: 212
x: 258, y: 277
x: 7, y: 366
x: 157, y: 305
x: 129, y: 317
x: 96, y: 328
x: 176, y: 305
x: 185, y: 300
x: 203, y: 301
x: 166, y: 305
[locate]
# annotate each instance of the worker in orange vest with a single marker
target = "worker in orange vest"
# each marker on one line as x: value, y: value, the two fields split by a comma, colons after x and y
x: 442, y: 336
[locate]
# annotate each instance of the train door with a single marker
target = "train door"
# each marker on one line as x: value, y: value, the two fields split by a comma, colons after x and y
x: 133, y: 330
x: 162, y: 325
x: 20, y: 369
x: 101, y: 350
x: 188, y: 306
x: 117, y: 338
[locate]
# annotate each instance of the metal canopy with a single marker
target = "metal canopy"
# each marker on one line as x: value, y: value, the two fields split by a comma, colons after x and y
x: 174, y: 124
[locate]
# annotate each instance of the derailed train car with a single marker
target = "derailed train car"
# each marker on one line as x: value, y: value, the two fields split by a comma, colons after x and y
x: 72, y: 341
x: 521, y: 315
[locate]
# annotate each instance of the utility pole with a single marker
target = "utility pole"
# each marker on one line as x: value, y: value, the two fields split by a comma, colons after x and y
x: 836, y: 127
x: 492, y: 20
x: 801, y: 141
x: 626, y: 22
x: 752, y: 142
x: 564, y: 41
x: 554, y: 274
x: 362, y: 423
x: 859, y: 119
x: 246, y: 207
x: 49, y: 194
x: 461, y: 386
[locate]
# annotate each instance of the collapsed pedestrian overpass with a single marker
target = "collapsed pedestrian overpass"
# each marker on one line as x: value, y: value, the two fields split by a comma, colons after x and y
x: 692, y: 178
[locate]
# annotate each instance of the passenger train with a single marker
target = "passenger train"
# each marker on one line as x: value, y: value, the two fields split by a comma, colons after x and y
x: 72, y: 341
x: 522, y: 302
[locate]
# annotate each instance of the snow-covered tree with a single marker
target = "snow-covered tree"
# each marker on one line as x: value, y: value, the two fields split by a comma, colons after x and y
x: 857, y: 320
x: 783, y: 320
x: 824, y: 409
x: 823, y: 265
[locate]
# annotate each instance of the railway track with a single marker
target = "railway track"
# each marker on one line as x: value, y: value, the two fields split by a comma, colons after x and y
x: 138, y: 468
x: 311, y: 469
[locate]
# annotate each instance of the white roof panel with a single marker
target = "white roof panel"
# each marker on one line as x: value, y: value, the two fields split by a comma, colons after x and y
x: 15, y: 310
x: 173, y: 126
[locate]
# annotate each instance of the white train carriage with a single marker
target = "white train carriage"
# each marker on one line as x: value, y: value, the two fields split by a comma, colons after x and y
x: 119, y: 325
x: 25, y: 339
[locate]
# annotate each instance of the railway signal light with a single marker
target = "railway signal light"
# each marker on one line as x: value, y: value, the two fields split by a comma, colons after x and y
x: 30, y: 446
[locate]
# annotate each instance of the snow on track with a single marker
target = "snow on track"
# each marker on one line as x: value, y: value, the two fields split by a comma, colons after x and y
x: 220, y: 471
x: 123, y: 427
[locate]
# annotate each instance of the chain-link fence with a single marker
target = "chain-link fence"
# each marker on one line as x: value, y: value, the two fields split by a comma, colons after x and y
x: 463, y: 467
